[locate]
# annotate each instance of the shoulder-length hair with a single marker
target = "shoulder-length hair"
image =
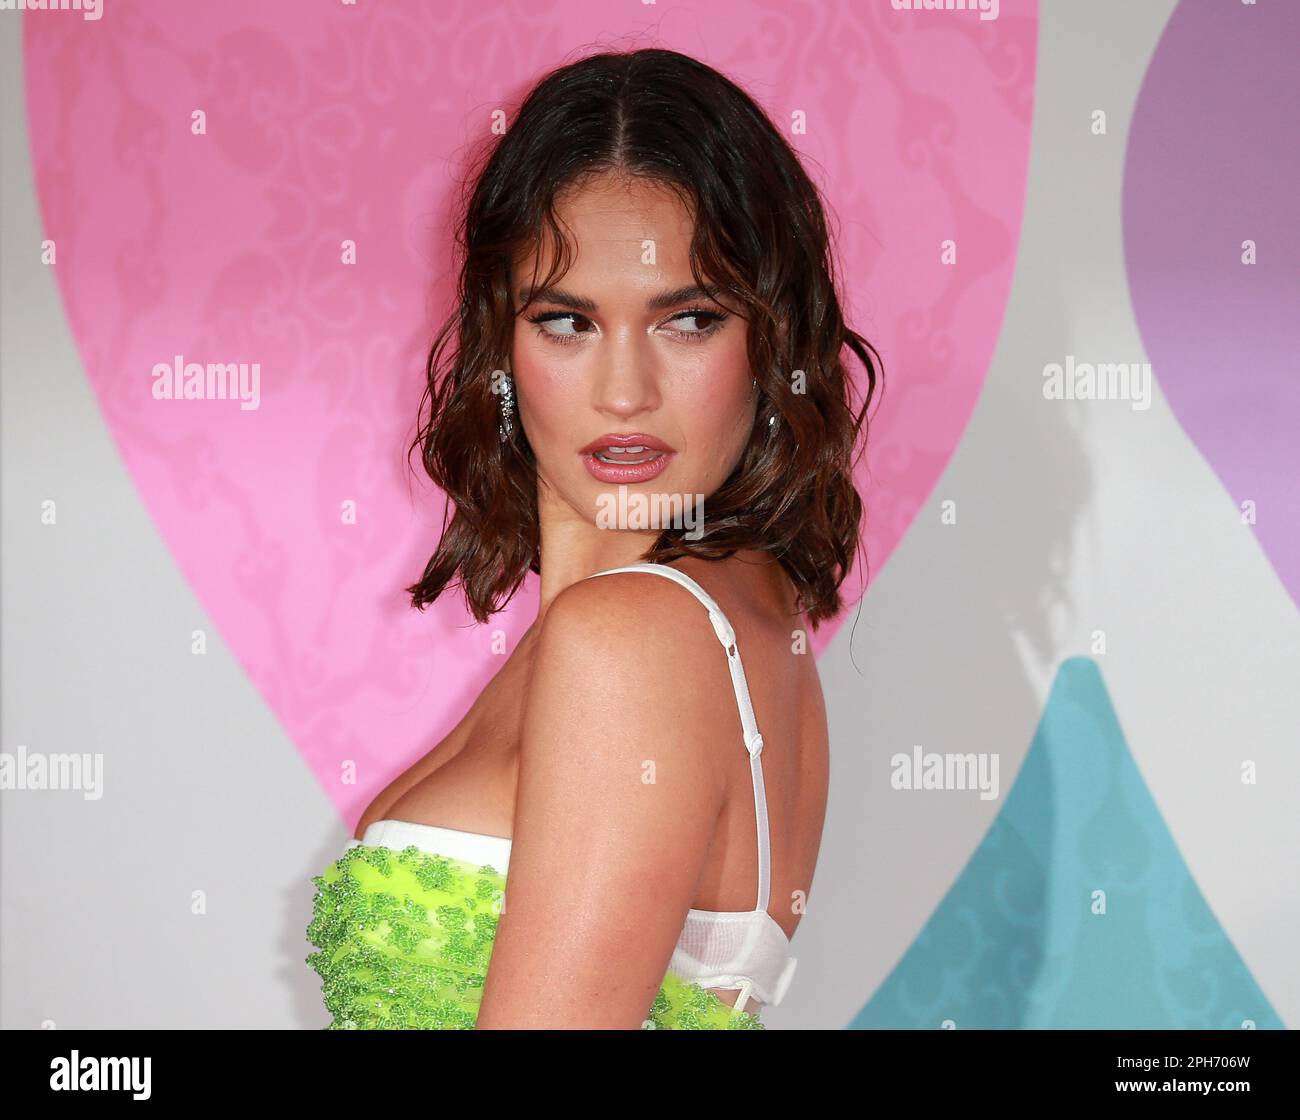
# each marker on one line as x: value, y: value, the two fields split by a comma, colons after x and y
x: 760, y: 238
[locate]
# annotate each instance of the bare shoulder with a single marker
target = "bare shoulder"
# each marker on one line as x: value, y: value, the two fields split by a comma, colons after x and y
x: 660, y: 626
x: 636, y: 651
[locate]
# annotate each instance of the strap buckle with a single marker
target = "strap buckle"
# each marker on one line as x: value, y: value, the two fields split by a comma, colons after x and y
x: 721, y: 627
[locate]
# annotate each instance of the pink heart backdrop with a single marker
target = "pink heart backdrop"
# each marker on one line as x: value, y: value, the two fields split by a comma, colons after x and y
x: 333, y: 122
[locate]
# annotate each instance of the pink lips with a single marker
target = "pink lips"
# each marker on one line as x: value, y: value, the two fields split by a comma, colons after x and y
x: 626, y: 458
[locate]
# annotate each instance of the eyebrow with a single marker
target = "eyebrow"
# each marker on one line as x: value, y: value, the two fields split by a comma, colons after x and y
x: 580, y: 303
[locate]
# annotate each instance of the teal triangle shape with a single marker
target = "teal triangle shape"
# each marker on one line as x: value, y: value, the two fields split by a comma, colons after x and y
x: 1017, y: 942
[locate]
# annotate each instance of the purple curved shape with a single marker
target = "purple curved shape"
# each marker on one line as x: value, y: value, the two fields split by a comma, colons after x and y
x: 1213, y: 161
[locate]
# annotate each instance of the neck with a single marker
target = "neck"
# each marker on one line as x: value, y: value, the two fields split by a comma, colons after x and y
x: 573, y: 549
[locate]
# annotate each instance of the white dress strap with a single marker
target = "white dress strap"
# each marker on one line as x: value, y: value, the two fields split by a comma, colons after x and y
x: 749, y: 725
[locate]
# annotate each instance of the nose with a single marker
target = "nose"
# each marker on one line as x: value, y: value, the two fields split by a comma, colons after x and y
x: 627, y: 378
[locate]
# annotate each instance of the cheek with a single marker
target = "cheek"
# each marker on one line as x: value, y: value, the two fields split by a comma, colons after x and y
x: 713, y: 400
x: 716, y: 429
x: 555, y: 413
x: 548, y: 396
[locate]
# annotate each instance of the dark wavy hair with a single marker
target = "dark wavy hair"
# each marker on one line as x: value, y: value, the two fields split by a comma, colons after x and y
x: 760, y: 239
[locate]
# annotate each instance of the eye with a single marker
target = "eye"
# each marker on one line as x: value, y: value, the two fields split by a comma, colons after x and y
x: 704, y: 322
x: 544, y: 321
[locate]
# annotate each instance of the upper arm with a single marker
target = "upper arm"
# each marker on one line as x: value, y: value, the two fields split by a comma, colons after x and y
x: 619, y: 789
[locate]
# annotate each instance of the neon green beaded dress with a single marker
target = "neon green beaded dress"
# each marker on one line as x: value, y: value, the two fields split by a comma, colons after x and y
x: 404, y: 933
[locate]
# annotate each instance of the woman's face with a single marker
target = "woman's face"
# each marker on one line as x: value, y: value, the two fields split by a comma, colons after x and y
x: 626, y: 346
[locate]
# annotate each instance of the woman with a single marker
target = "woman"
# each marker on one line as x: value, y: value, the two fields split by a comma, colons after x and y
x: 647, y: 381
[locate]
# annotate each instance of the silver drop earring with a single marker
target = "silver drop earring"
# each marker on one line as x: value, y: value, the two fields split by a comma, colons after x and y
x: 503, y: 385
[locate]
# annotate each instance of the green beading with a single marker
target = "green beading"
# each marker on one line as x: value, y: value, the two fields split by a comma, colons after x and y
x: 403, y: 941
